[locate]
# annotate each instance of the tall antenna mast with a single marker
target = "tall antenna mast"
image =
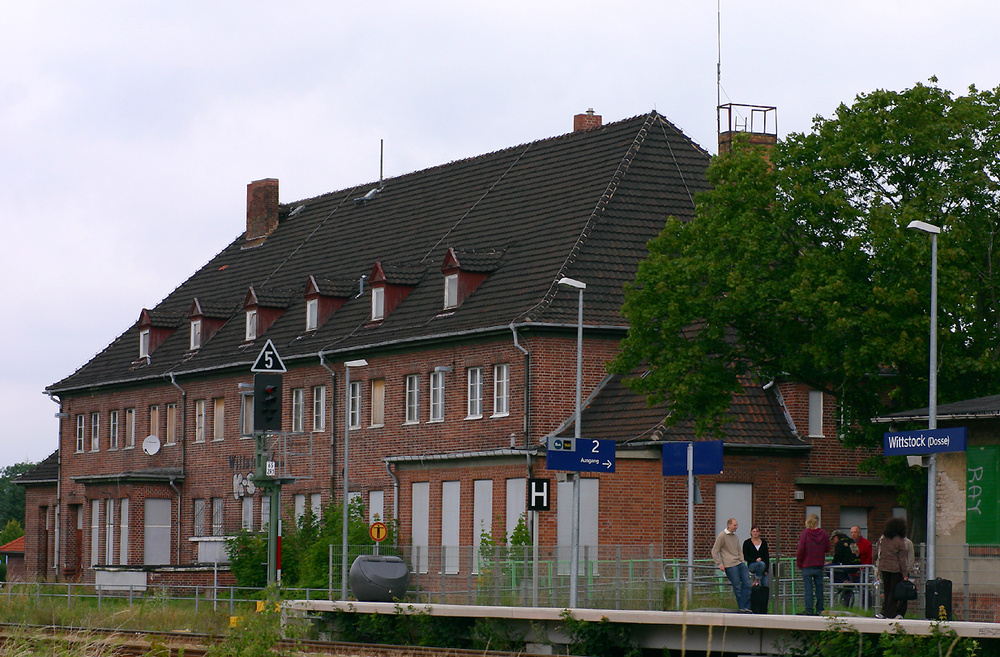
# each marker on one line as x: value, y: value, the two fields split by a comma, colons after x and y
x: 718, y: 66
x: 381, y: 160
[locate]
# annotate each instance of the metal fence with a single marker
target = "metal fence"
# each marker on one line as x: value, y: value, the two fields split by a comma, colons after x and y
x: 610, y: 577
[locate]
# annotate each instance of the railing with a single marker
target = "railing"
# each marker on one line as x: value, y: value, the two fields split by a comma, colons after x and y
x: 611, y: 577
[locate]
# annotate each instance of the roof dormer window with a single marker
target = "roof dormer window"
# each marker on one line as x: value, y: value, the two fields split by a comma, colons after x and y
x: 312, y: 314
x: 195, y: 334
x: 144, y: 343
x: 451, y: 291
x: 378, y: 303
x: 464, y: 271
x: 251, y: 333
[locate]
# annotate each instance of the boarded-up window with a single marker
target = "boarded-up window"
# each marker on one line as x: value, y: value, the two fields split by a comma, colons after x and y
x: 156, y: 541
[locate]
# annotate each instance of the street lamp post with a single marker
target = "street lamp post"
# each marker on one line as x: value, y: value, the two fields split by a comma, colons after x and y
x: 933, y: 231
x: 361, y: 362
x: 574, y: 570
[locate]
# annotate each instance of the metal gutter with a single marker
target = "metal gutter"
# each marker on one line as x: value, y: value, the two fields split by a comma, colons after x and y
x: 346, y: 349
x: 457, y: 456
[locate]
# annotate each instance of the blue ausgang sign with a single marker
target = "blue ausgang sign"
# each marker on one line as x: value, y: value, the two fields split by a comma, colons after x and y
x: 924, y: 441
x: 580, y: 455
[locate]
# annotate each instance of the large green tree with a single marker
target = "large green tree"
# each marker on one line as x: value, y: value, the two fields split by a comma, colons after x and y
x: 12, y: 495
x: 798, y: 264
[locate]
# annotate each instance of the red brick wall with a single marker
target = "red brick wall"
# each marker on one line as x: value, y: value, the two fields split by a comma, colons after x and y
x: 638, y: 505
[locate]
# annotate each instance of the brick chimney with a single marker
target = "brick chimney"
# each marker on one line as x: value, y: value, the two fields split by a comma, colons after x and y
x: 262, y: 208
x: 586, y: 121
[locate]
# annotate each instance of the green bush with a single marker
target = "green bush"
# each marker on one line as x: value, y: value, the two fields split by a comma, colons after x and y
x: 305, y: 548
x: 841, y: 639
x: 600, y: 639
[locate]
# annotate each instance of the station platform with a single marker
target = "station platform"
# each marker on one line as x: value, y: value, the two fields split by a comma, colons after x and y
x: 716, y: 631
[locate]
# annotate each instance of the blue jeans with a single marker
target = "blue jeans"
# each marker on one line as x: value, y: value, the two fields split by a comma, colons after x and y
x: 812, y: 578
x: 759, y: 570
x: 739, y: 577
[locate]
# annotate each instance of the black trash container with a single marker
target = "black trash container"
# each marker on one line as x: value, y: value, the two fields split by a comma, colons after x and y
x: 938, y: 595
x: 377, y: 578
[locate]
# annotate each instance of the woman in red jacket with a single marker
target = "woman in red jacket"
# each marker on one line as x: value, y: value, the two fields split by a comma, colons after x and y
x: 814, y: 544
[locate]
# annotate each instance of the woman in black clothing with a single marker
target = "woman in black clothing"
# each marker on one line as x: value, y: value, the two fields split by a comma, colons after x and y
x: 756, y: 555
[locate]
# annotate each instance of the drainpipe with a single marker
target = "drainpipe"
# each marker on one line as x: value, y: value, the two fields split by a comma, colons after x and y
x: 173, y: 382
x: 395, y: 498
x: 527, y: 388
x: 56, y: 512
x: 531, y: 519
x: 178, y: 520
x: 333, y: 395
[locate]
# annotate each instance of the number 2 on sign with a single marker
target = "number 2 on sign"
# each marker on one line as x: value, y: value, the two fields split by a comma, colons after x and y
x: 597, y: 447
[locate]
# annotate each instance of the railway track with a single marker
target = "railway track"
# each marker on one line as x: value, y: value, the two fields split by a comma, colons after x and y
x: 129, y: 643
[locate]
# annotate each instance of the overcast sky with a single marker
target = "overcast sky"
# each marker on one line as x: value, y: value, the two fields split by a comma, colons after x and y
x: 129, y: 130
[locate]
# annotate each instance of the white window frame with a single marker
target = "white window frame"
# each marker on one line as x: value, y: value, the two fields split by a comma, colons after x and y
x: 474, y: 407
x: 378, y: 303
x: 218, y: 516
x: 218, y: 418
x: 144, y: 343
x: 412, y: 399
x: 354, y: 412
x: 450, y: 291
x: 123, y: 532
x: 95, y: 432
x: 195, y: 335
x: 171, y: 437
x: 251, y: 326
x: 815, y: 413
x: 312, y: 314
x: 95, y: 532
x: 501, y: 390
x: 112, y: 430
x: 247, y: 415
x: 109, y: 530
x: 199, y: 517
x: 247, y: 512
x: 154, y: 420
x: 298, y: 409
x: 129, y: 428
x: 199, y: 420
x: 378, y: 402
x: 436, y: 402
x: 319, y: 408
x: 81, y: 431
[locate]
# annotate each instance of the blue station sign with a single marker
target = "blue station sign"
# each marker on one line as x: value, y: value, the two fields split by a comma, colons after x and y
x: 580, y: 455
x: 923, y: 441
x: 706, y: 457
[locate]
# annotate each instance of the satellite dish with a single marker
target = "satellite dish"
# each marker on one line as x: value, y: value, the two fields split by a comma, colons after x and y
x: 151, y: 445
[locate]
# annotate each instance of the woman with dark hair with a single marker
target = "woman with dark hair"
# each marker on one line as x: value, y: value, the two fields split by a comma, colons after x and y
x: 893, y: 567
x: 756, y: 555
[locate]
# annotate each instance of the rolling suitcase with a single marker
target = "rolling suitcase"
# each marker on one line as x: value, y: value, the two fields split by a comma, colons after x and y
x: 759, y: 597
x: 938, y: 595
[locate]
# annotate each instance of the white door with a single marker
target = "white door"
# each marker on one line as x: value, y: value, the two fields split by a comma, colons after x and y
x: 734, y: 501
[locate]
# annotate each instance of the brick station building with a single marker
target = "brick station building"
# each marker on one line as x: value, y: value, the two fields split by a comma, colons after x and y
x: 445, y: 283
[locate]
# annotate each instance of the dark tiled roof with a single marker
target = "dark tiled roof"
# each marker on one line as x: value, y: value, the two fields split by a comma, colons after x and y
x: 479, y: 261
x: 276, y: 298
x: 161, y: 319
x: 581, y: 205
x: 46, y: 472
x: 616, y: 413
x: 968, y: 409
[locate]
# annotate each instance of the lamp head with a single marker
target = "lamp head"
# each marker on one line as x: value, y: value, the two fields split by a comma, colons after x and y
x: 572, y: 282
x: 924, y: 227
x: 361, y: 362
